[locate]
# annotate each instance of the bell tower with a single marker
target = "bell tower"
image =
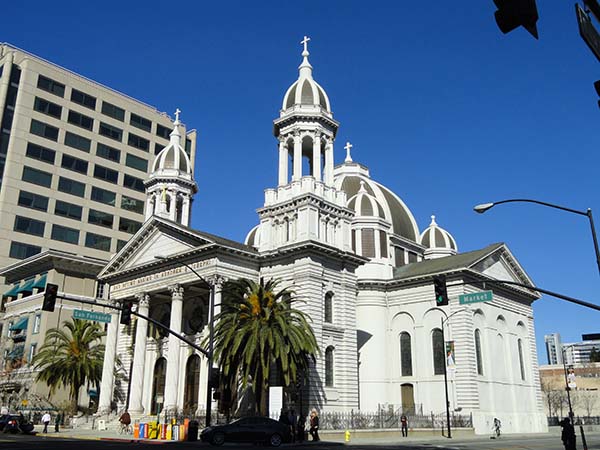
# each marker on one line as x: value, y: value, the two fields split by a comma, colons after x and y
x: 171, y: 185
x: 305, y: 206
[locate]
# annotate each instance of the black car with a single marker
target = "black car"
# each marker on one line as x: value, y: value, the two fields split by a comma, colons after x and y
x: 248, y: 429
x: 15, y: 423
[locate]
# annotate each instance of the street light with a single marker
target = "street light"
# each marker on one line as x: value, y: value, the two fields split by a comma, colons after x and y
x: 485, y: 206
x: 211, y: 334
x: 567, y: 387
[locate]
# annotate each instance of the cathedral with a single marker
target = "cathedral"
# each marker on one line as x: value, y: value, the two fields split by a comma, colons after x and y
x: 352, y: 251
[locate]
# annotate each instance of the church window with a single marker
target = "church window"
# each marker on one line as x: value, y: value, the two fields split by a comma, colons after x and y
x: 329, y: 367
x: 521, y: 360
x: 383, y: 243
x: 405, y: 354
x: 354, y: 241
x: 437, y: 345
x: 158, y: 385
x: 412, y: 257
x: 478, y: 352
x: 368, y: 242
x: 329, y: 307
x: 399, y: 256
x: 192, y: 384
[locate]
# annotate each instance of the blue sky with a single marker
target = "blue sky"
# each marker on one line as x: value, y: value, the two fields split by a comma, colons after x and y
x: 441, y: 106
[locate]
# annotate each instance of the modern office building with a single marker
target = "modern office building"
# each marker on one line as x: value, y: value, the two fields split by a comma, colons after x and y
x: 553, y: 348
x: 580, y: 352
x: 74, y: 155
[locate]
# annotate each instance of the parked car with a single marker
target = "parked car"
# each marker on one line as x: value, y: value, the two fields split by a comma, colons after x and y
x: 248, y: 429
x: 15, y: 423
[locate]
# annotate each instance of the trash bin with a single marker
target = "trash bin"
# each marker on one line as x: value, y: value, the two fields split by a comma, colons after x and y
x: 193, y: 431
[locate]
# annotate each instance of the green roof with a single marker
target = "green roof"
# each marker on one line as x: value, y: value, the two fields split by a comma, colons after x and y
x: 12, y: 292
x: 41, y: 282
x: 27, y: 286
x: 21, y: 324
x: 445, y: 264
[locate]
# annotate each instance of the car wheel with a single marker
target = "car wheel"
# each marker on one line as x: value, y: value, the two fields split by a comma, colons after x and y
x: 217, y: 439
x: 275, y: 440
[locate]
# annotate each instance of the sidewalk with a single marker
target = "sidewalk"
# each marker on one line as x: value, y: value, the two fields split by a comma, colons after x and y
x: 95, y: 435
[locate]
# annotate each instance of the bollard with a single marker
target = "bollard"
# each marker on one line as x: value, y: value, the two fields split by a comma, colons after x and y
x: 347, y: 436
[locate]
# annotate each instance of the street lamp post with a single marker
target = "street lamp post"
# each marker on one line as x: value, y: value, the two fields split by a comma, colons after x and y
x: 211, y: 334
x: 567, y: 388
x: 485, y: 206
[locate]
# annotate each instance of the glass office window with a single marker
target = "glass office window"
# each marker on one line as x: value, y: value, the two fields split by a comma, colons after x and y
x: 29, y: 226
x: 113, y: 111
x: 110, y: 131
x: 35, y: 176
x: 75, y: 164
x: 100, y: 218
x: 83, y: 99
x: 134, y: 183
x: 138, y: 142
x: 80, y: 120
x: 38, y: 152
x: 71, y: 187
x: 69, y: 210
x: 44, y: 130
x: 136, y: 163
x: 132, y: 204
x: 33, y: 201
x: 163, y: 132
x: 97, y: 241
x: 129, y: 226
x: 104, y: 173
x: 47, y: 107
x: 140, y: 122
x: 48, y: 85
x: 106, y: 152
x: 78, y: 142
x: 65, y: 234
x: 19, y: 250
x: 103, y: 196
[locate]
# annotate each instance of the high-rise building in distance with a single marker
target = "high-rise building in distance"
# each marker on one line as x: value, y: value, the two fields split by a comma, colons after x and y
x: 553, y: 348
x: 74, y: 155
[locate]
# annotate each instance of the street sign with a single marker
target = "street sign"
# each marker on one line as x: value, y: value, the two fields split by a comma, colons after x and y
x: 587, y: 31
x: 483, y: 296
x: 91, y: 315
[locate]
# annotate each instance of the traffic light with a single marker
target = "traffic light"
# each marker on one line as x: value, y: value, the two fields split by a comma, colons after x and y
x: 517, y: 13
x: 126, y: 313
x: 439, y: 285
x: 50, y: 297
x: 597, y: 87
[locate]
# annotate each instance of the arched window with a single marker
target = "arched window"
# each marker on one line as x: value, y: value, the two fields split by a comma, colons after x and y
x: 329, y: 366
x: 192, y: 384
x: 405, y: 355
x: 328, y: 307
x: 158, y: 385
x: 478, y: 352
x: 437, y: 346
x: 521, y: 360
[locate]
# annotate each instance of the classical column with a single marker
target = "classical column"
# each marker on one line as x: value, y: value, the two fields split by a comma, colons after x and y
x: 283, y: 162
x: 157, y: 203
x: 173, y: 206
x: 149, y: 207
x: 108, y: 365
x: 297, y: 157
x: 316, y: 160
x: 185, y: 211
x: 139, y: 356
x: 329, y: 163
x: 172, y: 375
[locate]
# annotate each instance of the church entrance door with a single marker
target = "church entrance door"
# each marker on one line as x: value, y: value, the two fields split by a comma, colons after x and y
x: 408, y: 398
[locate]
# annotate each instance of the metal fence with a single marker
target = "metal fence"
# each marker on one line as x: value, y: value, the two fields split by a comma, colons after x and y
x: 579, y: 420
x: 361, y: 420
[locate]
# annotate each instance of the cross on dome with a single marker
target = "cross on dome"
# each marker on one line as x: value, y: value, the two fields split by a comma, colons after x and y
x: 347, y: 148
x: 177, y: 112
x: 305, y: 43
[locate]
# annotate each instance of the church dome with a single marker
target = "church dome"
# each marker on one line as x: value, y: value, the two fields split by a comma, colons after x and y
x: 437, y: 241
x: 305, y: 91
x: 173, y: 160
x: 380, y: 199
x: 365, y: 204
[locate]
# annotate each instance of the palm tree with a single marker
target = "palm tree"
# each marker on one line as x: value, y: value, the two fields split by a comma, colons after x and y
x: 258, y: 330
x: 70, y: 357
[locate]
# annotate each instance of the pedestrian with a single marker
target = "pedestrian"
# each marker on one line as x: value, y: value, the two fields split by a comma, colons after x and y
x: 292, y: 420
x: 301, y: 428
x: 57, y: 422
x: 314, y: 425
x: 404, y: 423
x: 496, y: 428
x: 46, y: 421
x: 568, y: 434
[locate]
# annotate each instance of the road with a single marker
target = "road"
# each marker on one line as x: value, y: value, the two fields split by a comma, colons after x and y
x: 544, y: 442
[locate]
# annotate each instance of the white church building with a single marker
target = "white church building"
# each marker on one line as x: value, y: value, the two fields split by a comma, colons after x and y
x: 352, y: 250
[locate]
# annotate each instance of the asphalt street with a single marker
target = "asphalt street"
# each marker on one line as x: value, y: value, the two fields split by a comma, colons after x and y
x: 545, y: 442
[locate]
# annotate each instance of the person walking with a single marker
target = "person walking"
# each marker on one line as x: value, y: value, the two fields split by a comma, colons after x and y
x: 292, y: 420
x: 46, y: 421
x: 496, y: 428
x: 568, y: 434
x: 57, y: 422
x: 404, y: 423
x: 314, y: 425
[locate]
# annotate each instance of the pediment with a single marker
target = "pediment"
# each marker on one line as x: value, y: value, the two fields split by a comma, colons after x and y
x: 502, y: 265
x: 157, y: 237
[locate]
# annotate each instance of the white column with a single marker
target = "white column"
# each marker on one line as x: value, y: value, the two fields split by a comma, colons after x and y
x: 139, y: 357
x: 173, y: 205
x: 185, y: 211
x: 283, y: 162
x: 149, y: 207
x: 157, y: 203
x: 317, y: 157
x: 172, y: 375
x: 329, y: 163
x: 108, y: 365
x: 297, y: 158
